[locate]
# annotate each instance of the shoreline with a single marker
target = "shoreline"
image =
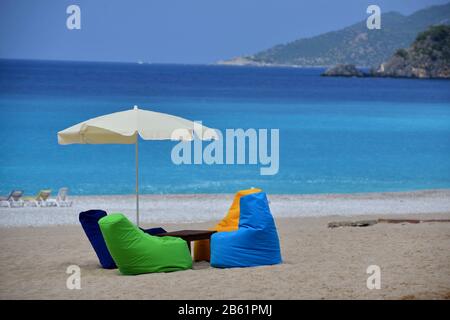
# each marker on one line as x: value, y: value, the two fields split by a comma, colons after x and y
x: 193, y: 208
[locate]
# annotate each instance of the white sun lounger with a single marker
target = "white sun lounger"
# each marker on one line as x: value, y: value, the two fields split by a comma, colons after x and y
x: 62, y: 199
x: 14, y: 199
x: 41, y: 199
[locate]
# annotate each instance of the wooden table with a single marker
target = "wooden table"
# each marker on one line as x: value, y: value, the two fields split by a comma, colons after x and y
x: 189, y: 235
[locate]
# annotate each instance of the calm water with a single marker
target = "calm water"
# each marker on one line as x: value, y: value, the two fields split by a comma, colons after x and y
x: 336, y: 135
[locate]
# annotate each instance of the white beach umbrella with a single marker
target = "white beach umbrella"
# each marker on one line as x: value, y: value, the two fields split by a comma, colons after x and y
x: 125, y: 127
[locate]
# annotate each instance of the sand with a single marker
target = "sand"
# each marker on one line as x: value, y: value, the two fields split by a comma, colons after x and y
x: 319, y: 263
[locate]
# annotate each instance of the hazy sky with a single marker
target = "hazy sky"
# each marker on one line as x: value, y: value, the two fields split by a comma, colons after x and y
x: 180, y: 31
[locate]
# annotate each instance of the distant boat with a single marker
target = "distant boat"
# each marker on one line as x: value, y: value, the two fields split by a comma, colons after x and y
x: 140, y: 62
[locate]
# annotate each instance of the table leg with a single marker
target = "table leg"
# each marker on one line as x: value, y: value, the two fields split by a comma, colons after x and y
x: 189, y: 246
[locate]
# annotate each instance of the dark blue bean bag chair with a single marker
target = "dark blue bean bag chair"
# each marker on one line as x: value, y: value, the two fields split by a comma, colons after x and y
x: 154, y: 231
x: 89, y: 222
x: 255, y: 243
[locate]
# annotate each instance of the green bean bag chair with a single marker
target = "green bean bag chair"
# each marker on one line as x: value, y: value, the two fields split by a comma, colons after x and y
x: 136, y: 252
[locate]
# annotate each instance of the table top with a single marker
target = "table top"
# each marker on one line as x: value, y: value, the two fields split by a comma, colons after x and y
x: 189, y: 234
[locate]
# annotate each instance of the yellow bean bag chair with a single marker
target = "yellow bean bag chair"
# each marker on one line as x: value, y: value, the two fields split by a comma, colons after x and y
x: 229, y: 223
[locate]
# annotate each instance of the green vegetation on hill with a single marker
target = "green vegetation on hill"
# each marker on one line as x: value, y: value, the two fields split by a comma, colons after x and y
x: 352, y: 45
x: 428, y: 56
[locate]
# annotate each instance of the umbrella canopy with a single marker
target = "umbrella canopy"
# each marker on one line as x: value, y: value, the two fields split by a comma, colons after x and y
x: 126, y: 126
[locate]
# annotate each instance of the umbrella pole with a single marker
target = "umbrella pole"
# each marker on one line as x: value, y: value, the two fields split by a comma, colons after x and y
x: 137, y: 182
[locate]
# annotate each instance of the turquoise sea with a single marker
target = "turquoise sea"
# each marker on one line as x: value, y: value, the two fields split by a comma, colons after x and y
x: 337, y: 135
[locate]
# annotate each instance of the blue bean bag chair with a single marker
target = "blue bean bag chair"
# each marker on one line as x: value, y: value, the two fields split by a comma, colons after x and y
x: 89, y: 221
x: 255, y: 243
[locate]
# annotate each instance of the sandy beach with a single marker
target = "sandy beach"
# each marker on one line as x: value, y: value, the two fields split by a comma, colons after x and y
x: 38, y: 244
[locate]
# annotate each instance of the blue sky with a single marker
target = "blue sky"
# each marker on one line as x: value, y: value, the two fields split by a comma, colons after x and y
x: 173, y: 31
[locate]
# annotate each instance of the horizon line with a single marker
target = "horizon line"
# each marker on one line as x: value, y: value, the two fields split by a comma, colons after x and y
x: 216, y: 64
x: 140, y: 62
